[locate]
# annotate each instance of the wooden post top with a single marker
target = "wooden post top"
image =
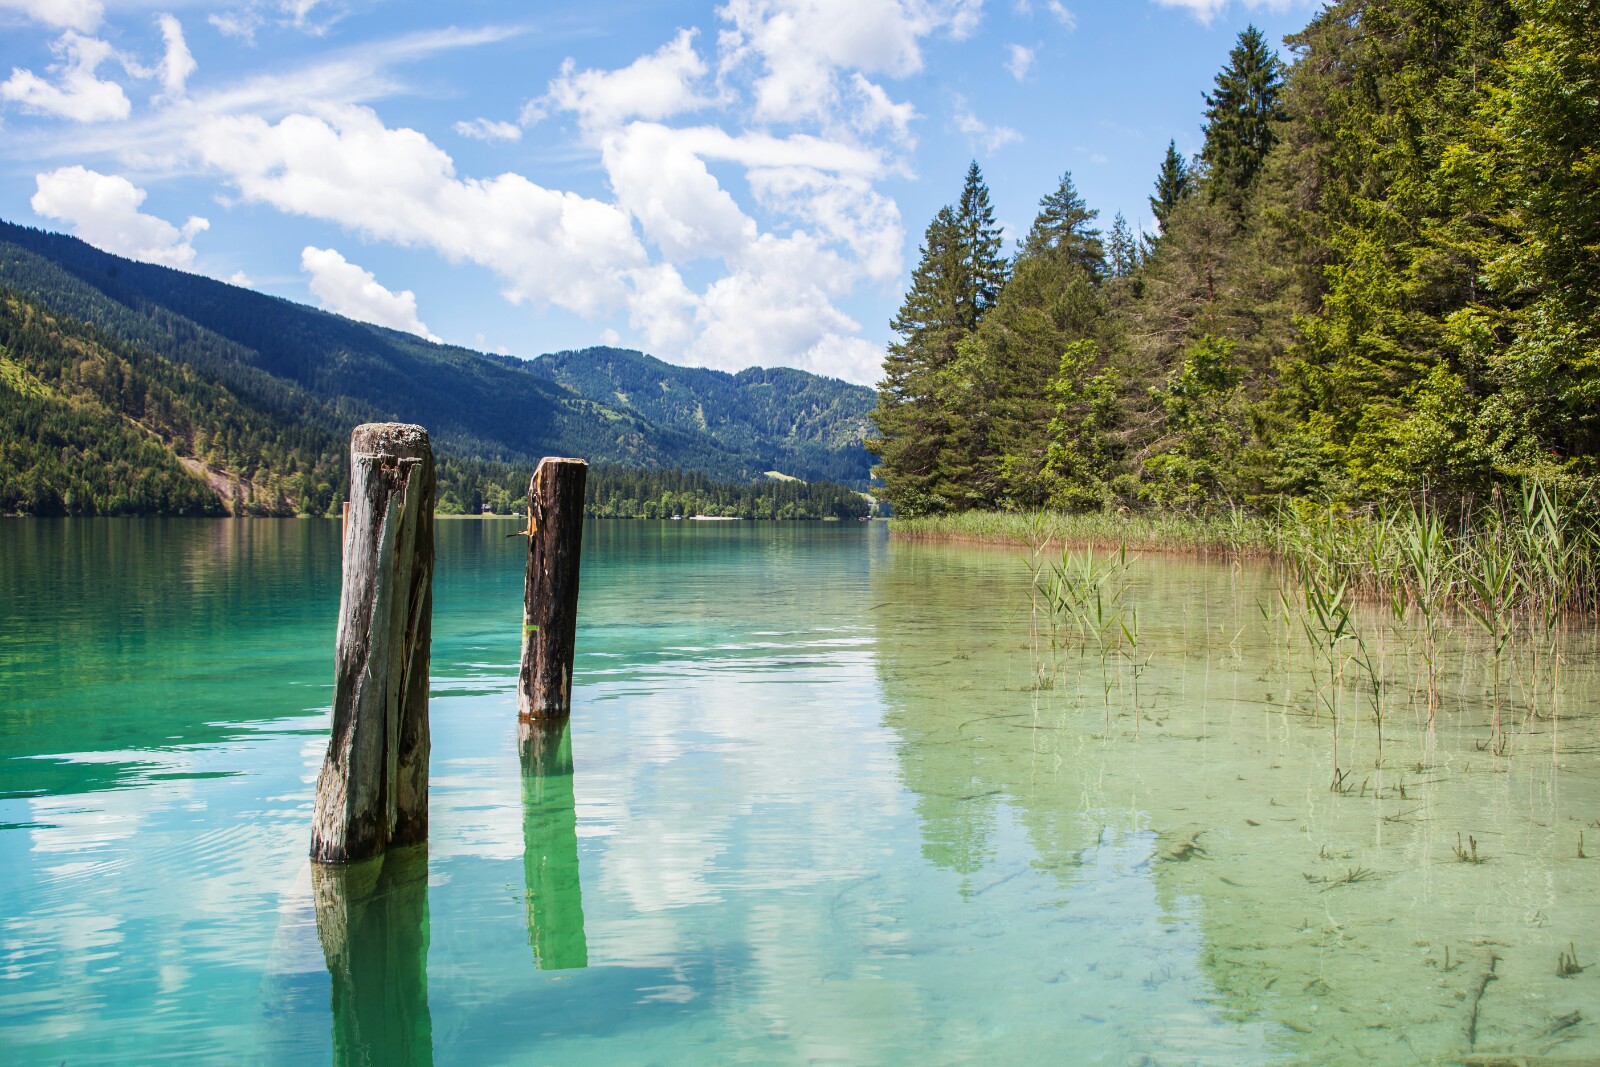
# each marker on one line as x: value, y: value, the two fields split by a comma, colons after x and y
x: 405, y: 440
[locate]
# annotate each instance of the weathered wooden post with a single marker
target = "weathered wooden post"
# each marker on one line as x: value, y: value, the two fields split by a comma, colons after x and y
x: 550, y: 592
x: 373, y: 790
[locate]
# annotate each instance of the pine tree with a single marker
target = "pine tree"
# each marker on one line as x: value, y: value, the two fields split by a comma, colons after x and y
x: 984, y: 268
x: 1240, y: 117
x: 1062, y: 229
x: 1122, y: 249
x: 1172, y: 184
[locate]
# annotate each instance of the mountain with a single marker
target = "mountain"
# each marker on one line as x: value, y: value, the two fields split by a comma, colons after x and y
x: 298, y: 366
x: 811, y: 427
x: 93, y: 426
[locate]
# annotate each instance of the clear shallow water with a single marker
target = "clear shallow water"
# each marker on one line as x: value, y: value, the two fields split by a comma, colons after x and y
x: 814, y: 807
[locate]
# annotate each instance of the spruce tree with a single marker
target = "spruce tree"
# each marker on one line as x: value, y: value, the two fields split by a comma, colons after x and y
x: 984, y: 267
x: 909, y: 416
x: 1062, y: 230
x: 1240, y: 117
x: 1172, y: 184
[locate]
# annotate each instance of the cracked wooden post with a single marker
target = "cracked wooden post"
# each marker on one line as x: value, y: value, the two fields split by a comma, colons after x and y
x: 550, y: 591
x: 373, y: 790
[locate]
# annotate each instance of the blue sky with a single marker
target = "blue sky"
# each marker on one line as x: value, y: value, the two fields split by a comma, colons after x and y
x: 720, y: 184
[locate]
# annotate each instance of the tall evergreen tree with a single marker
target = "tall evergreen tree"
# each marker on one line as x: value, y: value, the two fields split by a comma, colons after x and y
x: 984, y: 267
x: 1122, y: 249
x: 931, y: 402
x: 1240, y: 115
x: 1172, y: 184
x: 1063, y: 230
x: 931, y: 322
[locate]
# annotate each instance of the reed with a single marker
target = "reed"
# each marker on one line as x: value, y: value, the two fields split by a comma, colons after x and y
x: 1233, y: 533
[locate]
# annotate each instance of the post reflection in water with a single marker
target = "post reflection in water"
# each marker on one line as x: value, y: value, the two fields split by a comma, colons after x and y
x: 550, y: 847
x: 372, y: 919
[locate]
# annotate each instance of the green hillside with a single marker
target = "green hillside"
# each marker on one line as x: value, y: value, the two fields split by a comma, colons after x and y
x: 93, y: 426
x: 318, y: 369
x: 802, y: 424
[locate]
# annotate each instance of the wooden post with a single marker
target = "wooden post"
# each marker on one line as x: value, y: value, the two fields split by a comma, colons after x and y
x: 550, y: 592
x: 373, y: 790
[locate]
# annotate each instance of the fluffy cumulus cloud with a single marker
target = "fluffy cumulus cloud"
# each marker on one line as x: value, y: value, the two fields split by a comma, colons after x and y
x: 345, y: 289
x: 395, y: 185
x: 654, y: 86
x: 802, y: 47
x: 103, y: 209
x: 77, y: 93
x: 82, y: 15
x: 809, y: 226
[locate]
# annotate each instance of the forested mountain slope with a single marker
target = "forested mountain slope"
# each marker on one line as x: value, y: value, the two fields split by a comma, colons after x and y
x: 809, y: 426
x: 319, y: 370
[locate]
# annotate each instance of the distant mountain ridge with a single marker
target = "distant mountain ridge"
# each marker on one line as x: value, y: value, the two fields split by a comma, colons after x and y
x: 319, y: 369
x: 808, y: 425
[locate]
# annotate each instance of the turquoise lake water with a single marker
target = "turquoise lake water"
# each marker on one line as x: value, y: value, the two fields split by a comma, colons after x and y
x: 823, y: 800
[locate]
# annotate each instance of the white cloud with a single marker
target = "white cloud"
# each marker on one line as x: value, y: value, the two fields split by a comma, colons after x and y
x: 241, y: 24
x: 395, y: 185
x: 992, y: 138
x: 82, y: 15
x: 842, y: 209
x: 489, y: 130
x: 1019, y: 60
x: 802, y: 45
x: 1207, y: 10
x: 345, y: 289
x: 875, y: 111
x: 103, y: 209
x: 662, y: 181
x: 1063, y: 14
x: 240, y: 278
x: 78, y: 95
x: 654, y: 86
x: 178, y: 62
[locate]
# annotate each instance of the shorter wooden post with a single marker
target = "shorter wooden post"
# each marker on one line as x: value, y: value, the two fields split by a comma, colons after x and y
x: 550, y: 592
x: 373, y: 789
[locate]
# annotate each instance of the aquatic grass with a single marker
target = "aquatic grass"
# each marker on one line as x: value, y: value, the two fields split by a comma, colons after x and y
x: 1393, y: 601
x: 1235, y: 533
x: 1085, y: 594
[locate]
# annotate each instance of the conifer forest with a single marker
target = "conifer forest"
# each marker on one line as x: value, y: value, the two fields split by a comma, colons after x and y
x: 1379, y: 278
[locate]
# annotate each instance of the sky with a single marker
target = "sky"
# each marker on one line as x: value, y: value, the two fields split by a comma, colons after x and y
x: 718, y: 184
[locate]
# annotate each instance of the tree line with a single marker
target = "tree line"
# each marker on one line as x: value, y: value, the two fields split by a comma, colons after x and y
x: 1379, y: 275
x: 469, y: 486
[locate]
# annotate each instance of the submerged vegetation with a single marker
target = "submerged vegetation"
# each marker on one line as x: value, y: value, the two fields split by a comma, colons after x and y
x: 1388, y: 603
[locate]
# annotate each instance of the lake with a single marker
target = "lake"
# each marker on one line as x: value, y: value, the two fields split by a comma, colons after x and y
x: 825, y: 799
